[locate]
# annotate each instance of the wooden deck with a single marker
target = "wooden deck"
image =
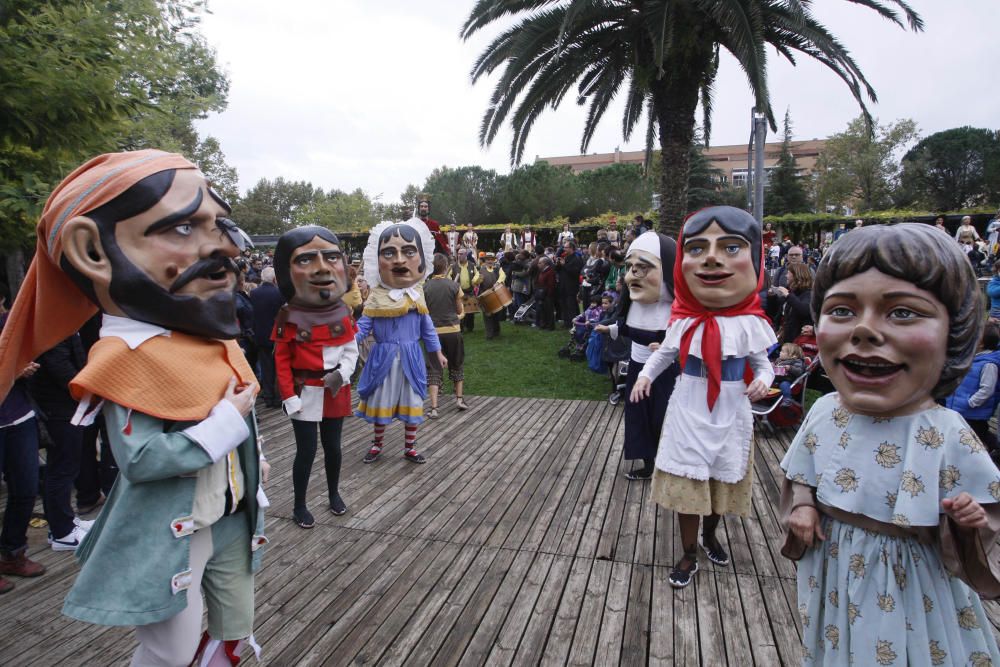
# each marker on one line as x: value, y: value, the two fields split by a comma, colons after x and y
x: 519, y: 542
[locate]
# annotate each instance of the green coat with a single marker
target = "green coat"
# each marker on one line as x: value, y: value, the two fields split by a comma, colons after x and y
x: 134, y: 557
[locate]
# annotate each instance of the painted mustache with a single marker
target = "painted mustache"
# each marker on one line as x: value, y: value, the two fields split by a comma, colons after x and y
x: 202, y: 268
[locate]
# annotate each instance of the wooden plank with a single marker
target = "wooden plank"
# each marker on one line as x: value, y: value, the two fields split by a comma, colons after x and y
x: 522, y: 610
x: 560, y: 637
x: 535, y: 636
x: 583, y: 648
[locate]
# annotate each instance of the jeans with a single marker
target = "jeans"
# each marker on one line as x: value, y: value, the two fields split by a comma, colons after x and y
x: 62, y: 466
x: 96, y: 476
x: 19, y: 461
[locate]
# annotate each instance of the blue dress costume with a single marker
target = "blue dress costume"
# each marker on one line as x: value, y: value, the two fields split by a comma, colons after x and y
x: 890, y: 584
x: 393, y: 383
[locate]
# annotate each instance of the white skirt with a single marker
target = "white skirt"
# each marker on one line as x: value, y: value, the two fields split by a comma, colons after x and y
x: 699, y: 444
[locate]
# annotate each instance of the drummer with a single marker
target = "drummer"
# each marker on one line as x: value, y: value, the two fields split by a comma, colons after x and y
x: 465, y: 273
x: 490, y: 274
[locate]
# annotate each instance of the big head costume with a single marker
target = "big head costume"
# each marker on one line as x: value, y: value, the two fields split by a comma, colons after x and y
x: 315, y: 354
x: 393, y: 383
x: 143, y: 237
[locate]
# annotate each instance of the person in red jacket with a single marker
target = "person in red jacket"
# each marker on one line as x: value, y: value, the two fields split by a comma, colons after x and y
x: 545, y: 292
x: 424, y: 213
x: 314, y: 355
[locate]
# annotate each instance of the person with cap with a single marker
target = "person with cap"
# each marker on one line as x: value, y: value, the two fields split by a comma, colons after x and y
x: 393, y: 383
x: 143, y: 237
x: 491, y: 274
x: 314, y: 354
x: 424, y: 213
x: 468, y: 277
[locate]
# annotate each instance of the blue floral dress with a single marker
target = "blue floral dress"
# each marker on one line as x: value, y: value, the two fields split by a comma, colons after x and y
x: 879, y: 593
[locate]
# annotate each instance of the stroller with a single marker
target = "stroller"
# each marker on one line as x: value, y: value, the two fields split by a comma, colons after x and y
x: 527, y: 313
x: 576, y: 348
x: 775, y: 411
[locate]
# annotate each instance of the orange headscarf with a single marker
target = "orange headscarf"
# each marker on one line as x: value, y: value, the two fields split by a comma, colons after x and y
x: 50, y: 307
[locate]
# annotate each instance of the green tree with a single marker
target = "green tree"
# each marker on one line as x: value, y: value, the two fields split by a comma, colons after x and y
x: 785, y: 191
x: 859, y: 166
x: 272, y: 207
x: 947, y: 171
x: 704, y: 180
x: 339, y: 212
x: 617, y: 187
x: 540, y: 191
x: 662, y: 54
x: 464, y: 195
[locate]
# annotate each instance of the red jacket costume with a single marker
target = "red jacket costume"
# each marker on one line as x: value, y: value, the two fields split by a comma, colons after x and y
x: 440, y: 240
x: 303, y: 356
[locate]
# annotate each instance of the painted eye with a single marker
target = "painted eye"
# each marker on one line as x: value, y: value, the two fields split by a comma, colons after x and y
x: 333, y: 256
x: 694, y: 250
x: 387, y: 254
x: 184, y: 229
x: 840, y: 311
x: 903, y: 314
x: 733, y: 248
x: 410, y: 252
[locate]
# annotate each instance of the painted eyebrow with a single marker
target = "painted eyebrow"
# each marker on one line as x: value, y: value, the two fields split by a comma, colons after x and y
x: 176, y: 216
x: 885, y: 297
x: 220, y: 201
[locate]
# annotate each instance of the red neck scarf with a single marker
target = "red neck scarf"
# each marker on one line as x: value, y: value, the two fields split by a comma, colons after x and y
x: 685, y: 305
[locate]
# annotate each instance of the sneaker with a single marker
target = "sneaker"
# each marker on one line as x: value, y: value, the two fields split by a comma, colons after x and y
x: 19, y: 565
x: 69, y: 542
x: 680, y: 577
x: 372, y: 454
x: 412, y: 456
x: 433, y: 413
x: 338, y: 507
x: 714, y: 551
x: 83, y: 524
x: 303, y: 517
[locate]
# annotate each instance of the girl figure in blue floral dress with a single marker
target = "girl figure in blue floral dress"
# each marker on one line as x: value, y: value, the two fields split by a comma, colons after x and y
x: 890, y: 501
x: 393, y: 383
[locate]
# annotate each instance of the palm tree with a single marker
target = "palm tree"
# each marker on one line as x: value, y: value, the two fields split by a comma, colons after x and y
x: 665, y: 51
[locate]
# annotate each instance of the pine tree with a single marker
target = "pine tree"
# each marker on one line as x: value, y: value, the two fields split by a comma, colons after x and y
x: 785, y: 191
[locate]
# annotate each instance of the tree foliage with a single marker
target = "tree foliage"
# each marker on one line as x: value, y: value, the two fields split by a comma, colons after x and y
x: 540, y: 191
x: 617, y: 187
x: 785, y: 191
x: 859, y: 167
x: 273, y: 207
x: 339, y: 211
x: 86, y: 77
x: 661, y: 55
x: 464, y: 195
x: 954, y: 169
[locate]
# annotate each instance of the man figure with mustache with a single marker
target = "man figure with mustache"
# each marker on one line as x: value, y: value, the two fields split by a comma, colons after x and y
x: 142, y: 237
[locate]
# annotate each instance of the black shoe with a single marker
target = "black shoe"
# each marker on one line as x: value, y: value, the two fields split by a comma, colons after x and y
x: 680, y: 577
x: 337, y: 506
x: 413, y: 457
x: 303, y: 517
x: 372, y: 454
x: 714, y: 550
x: 638, y: 475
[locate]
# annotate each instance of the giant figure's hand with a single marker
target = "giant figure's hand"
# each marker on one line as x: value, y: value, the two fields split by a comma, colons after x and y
x: 242, y: 398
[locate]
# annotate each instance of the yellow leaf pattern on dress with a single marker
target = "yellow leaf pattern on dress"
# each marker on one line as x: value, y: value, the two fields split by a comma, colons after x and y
x: 834, y: 598
x: 834, y: 550
x: 857, y: 565
x: 832, y: 634
x: 995, y: 490
x: 980, y: 659
x: 912, y: 483
x: 813, y: 583
x: 930, y: 437
x: 948, y: 478
x: 810, y: 442
x: 969, y: 438
x: 967, y: 618
x: 840, y: 417
x: 846, y: 479
x: 887, y: 455
x: 852, y: 612
x: 900, y: 520
x: 800, y: 479
x: 884, y: 655
x: 890, y: 499
x: 899, y: 572
x: 928, y: 605
x: 886, y: 603
x: 803, y: 616
x: 937, y: 654
x: 845, y: 438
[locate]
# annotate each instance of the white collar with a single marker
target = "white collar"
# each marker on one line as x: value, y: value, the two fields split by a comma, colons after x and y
x: 133, y: 332
x: 397, y: 294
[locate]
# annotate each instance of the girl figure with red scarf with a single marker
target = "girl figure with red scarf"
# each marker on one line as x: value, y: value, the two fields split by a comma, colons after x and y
x: 719, y: 334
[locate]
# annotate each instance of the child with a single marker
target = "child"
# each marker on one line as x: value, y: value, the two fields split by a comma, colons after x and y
x: 314, y: 355
x: 890, y: 501
x: 788, y: 368
x: 717, y: 328
x: 976, y: 397
x: 393, y: 383
x: 585, y: 321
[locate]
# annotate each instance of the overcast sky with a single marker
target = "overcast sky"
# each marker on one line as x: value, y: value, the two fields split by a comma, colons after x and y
x: 376, y: 93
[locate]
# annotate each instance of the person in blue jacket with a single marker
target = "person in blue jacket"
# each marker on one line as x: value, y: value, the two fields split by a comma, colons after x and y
x: 977, y: 396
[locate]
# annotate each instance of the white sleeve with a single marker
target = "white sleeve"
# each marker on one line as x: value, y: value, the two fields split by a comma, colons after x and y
x: 222, y: 431
x: 658, y: 362
x: 987, y: 385
x: 348, y: 360
x: 762, y: 369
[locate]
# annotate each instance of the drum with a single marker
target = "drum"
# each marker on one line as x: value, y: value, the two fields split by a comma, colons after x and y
x: 495, y: 299
x: 470, y: 304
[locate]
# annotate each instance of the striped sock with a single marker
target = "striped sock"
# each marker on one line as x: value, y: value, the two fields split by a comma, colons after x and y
x: 411, y: 437
x: 379, y: 434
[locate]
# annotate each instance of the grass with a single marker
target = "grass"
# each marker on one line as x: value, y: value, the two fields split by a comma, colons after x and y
x: 522, y: 362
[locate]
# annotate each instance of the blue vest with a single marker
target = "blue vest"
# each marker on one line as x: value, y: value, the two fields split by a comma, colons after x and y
x: 959, y: 401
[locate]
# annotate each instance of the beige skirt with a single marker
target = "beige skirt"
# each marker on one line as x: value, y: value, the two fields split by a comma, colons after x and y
x: 704, y: 497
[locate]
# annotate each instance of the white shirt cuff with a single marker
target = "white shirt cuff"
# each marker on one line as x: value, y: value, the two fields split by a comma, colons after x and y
x: 222, y: 431
x: 291, y: 405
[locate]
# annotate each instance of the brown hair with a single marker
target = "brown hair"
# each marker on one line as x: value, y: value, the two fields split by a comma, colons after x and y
x: 793, y: 350
x: 801, y: 276
x: 929, y: 259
